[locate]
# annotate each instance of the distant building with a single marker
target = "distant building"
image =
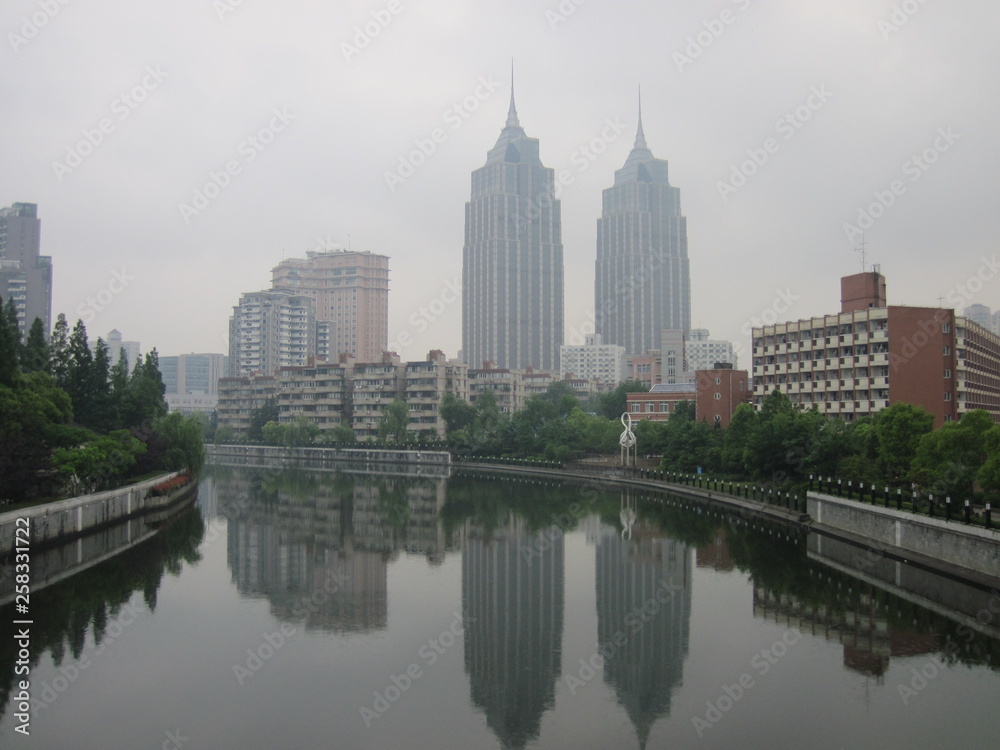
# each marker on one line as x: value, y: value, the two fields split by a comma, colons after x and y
x: 592, y: 360
x: 192, y: 381
x: 351, y: 295
x: 642, y: 277
x: 512, y: 260
x: 116, y: 345
x: 870, y: 355
x: 702, y: 352
x: 25, y: 275
x: 979, y: 314
x: 271, y: 329
x: 667, y: 364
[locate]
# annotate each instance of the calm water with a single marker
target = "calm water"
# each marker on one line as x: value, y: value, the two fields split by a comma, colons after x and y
x: 301, y: 609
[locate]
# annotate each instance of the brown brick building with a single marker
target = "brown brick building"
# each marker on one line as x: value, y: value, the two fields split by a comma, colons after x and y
x: 871, y: 355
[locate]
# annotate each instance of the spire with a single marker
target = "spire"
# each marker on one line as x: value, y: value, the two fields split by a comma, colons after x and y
x: 512, y: 121
x: 640, y: 137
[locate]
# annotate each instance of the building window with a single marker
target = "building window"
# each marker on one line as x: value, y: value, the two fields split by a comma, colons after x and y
x: 946, y: 328
x: 947, y: 396
x: 947, y: 351
x: 718, y: 396
x: 947, y: 373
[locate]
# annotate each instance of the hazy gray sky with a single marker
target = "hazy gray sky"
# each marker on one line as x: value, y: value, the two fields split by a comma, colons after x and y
x: 310, y: 104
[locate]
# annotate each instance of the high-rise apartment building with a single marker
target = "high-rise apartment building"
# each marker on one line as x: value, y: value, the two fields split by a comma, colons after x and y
x: 512, y: 262
x: 25, y: 275
x: 271, y: 329
x: 642, y: 281
x: 351, y: 295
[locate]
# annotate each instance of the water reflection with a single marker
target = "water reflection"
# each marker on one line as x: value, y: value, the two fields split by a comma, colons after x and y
x: 512, y: 601
x: 96, y: 601
x: 518, y: 556
x: 643, y: 616
x: 317, y: 546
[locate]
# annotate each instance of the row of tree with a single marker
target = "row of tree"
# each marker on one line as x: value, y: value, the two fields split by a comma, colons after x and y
x: 72, y: 423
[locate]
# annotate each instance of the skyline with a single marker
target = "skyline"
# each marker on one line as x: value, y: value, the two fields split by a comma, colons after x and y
x: 829, y: 110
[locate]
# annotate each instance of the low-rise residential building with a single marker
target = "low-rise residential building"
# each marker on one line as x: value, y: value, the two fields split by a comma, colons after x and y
x: 871, y: 354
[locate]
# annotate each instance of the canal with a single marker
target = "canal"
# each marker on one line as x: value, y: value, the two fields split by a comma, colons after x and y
x: 293, y: 608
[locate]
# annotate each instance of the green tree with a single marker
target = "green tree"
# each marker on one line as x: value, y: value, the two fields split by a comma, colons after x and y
x: 266, y: 412
x: 80, y: 383
x: 456, y: 413
x: 989, y: 473
x: 34, y: 418
x: 99, y: 464
x: 949, y: 459
x: 59, y: 355
x: 341, y: 435
x: 612, y: 405
x: 185, y: 442
x: 737, y: 437
x: 10, y: 344
x: 898, y: 431
x: 36, y: 349
x: 393, y: 424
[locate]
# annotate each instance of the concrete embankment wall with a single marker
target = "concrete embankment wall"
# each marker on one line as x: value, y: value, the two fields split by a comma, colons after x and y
x: 66, y: 519
x: 273, y: 453
x: 968, y: 547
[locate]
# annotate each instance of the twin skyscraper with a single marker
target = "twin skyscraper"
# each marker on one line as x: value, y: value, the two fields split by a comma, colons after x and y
x: 512, y: 261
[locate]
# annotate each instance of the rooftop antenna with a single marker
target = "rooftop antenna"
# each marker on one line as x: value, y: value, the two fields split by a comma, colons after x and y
x: 348, y: 242
x: 862, y: 250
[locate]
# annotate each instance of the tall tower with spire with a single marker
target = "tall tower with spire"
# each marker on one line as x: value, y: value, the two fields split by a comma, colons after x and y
x: 642, y: 281
x: 512, y: 262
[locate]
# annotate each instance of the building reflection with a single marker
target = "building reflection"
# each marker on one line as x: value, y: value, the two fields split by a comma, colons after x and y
x: 317, y: 545
x: 644, y: 604
x: 512, y: 600
x: 860, y: 625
